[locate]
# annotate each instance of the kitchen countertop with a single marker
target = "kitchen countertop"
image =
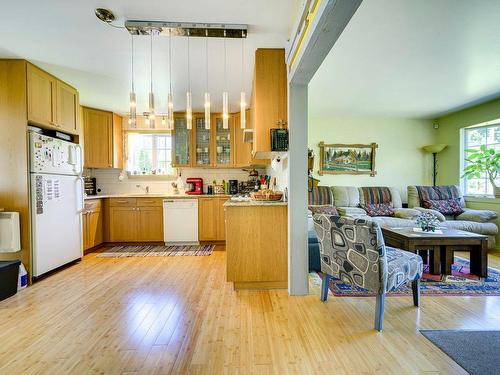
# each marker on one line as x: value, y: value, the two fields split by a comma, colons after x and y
x: 154, y: 195
x: 231, y: 203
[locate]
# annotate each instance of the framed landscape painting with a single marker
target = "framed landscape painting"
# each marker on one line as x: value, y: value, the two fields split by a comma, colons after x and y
x: 347, y: 159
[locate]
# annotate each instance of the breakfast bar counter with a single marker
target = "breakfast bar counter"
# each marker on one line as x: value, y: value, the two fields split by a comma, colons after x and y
x: 257, y: 244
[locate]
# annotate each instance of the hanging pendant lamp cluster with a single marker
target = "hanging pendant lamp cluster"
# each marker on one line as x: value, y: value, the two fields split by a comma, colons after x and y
x: 188, y: 30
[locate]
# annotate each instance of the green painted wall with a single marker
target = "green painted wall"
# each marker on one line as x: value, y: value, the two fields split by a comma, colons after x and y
x: 449, y: 133
x: 399, y: 160
x: 449, y: 159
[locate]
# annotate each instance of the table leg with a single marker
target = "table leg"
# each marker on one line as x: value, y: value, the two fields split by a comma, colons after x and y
x: 435, y: 260
x: 447, y: 255
x: 479, y: 259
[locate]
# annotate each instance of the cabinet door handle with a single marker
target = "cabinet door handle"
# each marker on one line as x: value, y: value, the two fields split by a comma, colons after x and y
x: 121, y: 201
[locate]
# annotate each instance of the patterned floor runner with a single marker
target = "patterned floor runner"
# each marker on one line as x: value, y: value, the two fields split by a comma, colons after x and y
x: 460, y: 283
x: 156, y: 251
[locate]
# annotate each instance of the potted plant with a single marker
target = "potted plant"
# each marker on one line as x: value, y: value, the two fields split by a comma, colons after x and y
x: 427, y: 222
x: 484, y: 160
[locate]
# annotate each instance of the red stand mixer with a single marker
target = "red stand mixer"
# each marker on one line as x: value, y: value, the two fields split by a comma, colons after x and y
x: 194, y: 186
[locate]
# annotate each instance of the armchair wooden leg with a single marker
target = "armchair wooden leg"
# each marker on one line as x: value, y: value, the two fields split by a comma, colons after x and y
x: 379, y: 311
x: 415, y: 287
x: 324, y: 287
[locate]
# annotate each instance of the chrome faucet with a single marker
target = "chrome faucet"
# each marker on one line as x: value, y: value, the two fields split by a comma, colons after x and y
x: 145, y: 188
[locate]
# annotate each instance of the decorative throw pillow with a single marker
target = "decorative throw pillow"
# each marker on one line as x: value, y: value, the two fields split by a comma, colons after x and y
x: 323, y: 209
x: 378, y: 209
x: 445, y: 206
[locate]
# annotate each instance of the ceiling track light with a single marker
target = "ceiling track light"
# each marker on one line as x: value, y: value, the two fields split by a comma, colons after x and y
x: 207, y: 94
x: 189, y: 99
x: 225, y: 99
x: 170, y: 104
x: 133, y: 100
x: 209, y: 30
x: 151, y: 94
x: 243, y: 104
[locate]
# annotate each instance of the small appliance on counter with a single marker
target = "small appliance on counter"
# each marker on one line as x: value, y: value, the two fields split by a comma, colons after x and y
x: 233, y: 187
x: 90, y: 185
x: 194, y: 186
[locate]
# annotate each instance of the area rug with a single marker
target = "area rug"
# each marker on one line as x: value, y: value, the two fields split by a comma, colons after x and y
x: 460, y: 283
x: 156, y: 251
x: 479, y: 358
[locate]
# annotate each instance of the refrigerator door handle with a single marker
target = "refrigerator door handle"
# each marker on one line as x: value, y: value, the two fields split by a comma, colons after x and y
x: 82, y: 194
x: 80, y: 157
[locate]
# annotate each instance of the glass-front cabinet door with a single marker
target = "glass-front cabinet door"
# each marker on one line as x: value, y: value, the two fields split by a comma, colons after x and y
x: 222, y: 143
x: 202, y: 143
x: 182, y: 143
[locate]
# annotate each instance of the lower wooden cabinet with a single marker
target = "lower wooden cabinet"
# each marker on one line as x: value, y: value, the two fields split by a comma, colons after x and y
x: 135, y: 220
x: 211, y: 219
x: 92, y: 217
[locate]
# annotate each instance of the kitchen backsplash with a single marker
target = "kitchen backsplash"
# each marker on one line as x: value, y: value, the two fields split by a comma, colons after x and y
x: 108, y: 180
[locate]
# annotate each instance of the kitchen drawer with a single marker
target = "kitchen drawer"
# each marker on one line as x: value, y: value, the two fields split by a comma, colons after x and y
x: 149, y: 202
x: 122, y: 202
x: 93, y: 205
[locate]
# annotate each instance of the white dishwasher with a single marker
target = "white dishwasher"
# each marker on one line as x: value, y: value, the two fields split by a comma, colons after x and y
x: 180, y: 221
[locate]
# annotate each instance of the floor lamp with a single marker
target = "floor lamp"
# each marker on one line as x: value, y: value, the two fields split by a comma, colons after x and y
x: 434, y: 150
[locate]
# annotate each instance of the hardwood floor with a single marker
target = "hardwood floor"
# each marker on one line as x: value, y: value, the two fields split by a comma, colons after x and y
x: 178, y: 315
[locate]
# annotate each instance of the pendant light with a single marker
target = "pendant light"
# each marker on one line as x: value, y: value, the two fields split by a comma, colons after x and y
x: 243, y: 104
x: 170, y: 113
x: 225, y: 109
x: 207, y: 94
x: 151, y: 95
x: 133, y: 103
x: 189, y: 99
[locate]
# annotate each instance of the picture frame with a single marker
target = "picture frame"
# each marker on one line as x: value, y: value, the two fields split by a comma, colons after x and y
x: 338, y: 158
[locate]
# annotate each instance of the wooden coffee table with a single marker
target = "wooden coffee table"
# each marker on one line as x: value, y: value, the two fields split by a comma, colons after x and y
x: 441, y: 247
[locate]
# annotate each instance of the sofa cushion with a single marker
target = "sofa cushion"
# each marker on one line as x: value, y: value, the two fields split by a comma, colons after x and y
x: 480, y: 216
x: 320, y: 195
x: 323, y: 209
x: 488, y: 229
x: 345, y: 196
x: 378, y: 209
x: 438, y: 214
x: 406, y: 213
x: 445, y: 206
x: 393, y: 222
x: 426, y: 193
x: 380, y: 195
x: 351, y: 211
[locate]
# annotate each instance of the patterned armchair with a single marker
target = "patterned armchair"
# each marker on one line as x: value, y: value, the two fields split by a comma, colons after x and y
x: 353, y: 251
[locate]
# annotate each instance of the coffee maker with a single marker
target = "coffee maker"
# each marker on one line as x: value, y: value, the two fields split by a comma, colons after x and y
x: 233, y: 187
x: 194, y: 186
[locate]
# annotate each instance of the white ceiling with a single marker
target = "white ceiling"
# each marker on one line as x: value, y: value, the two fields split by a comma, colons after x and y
x: 65, y: 38
x: 411, y: 58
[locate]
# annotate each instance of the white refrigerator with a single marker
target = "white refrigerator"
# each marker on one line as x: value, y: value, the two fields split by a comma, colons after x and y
x: 57, y: 190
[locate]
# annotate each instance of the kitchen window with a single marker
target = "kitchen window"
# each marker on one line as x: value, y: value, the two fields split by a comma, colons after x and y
x: 149, y: 153
x: 473, y: 138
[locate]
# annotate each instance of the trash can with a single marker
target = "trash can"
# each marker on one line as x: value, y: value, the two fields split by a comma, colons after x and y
x: 9, y: 273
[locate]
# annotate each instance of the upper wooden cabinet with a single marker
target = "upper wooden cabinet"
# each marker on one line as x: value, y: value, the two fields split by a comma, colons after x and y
x: 269, y: 97
x: 215, y: 147
x: 103, y: 139
x: 67, y: 107
x: 51, y: 102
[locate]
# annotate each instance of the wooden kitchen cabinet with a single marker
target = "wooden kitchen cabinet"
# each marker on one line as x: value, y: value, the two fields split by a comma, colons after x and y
x: 135, y: 219
x: 257, y: 246
x: 92, y: 224
x: 181, y: 142
x: 242, y: 156
x: 269, y: 97
x: 103, y: 142
x: 51, y: 102
x: 223, y: 143
x: 67, y: 107
x: 41, y: 90
x: 202, y: 142
x: 149, y: 224
x: 211, y: 221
